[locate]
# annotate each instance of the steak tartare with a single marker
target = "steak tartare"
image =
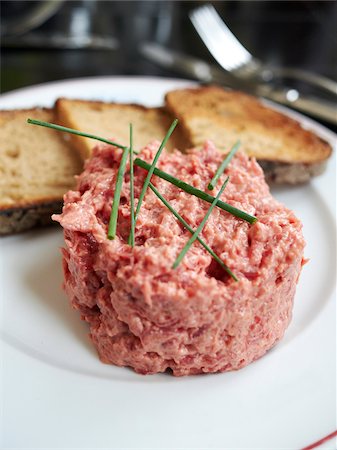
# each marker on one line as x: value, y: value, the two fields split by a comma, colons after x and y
x: 195, y: 318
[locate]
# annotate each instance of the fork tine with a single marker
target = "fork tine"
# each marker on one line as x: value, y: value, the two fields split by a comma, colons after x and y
x: 235, y: 43
x: 221, y: 42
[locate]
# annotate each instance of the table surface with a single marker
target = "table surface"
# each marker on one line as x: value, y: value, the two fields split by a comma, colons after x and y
x: 293, y: 33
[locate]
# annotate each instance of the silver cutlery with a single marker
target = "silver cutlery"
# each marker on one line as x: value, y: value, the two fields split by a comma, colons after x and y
x: 209, y: 73
x: 235, y: 58
x: 61, y: 41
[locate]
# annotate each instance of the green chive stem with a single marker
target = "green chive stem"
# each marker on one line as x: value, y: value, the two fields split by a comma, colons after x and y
x: 72, y: 131
x: 117, y: 195
x: 200, y: 227
x: 132, y: 193
x: 152, y: 167
x: 196, y: 192
x: 223, y: 165
x: 190, y: 229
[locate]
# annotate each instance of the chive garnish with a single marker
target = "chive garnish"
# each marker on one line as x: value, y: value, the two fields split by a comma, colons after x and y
x: 200, y: 227
x: 196, y: 192
x: 153, y: 165
x: 72, y: 131
x: 151, y: 169
x: 117, y: 195
x: 223, y: 165
x: 132, y: 194
x: 190, y: 229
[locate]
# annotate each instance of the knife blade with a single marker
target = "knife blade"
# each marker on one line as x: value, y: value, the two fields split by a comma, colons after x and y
x: 210, y: 73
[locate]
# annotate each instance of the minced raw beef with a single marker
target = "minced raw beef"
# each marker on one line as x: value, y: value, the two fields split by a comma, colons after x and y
x: 195, y: 318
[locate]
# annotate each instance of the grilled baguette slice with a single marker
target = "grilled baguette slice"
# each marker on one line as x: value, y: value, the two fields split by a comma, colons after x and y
x: 111, y: 121
x: 287, y: 152
x: 36, y: 168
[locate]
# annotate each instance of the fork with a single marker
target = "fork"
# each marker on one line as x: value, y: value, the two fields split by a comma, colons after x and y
x: 235, y: 58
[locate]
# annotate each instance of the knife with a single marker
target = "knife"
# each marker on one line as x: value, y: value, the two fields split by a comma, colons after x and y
x: 209, y: 73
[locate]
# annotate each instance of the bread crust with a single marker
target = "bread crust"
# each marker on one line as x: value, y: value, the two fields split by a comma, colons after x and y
x: 283, y: 173
x: 18, y: 219
x: 6, y: 114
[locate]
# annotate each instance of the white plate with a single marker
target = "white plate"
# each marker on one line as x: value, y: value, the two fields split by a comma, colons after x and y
x: 56, y: 393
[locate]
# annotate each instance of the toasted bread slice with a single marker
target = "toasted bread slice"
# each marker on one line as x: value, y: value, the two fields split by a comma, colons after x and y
x: 36, y: 168
x: 286, y: 151
x: 111, y: 121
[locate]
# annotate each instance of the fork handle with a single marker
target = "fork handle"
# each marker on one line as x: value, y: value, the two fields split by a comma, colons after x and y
x: 319, y: 109
x: 318, y: 81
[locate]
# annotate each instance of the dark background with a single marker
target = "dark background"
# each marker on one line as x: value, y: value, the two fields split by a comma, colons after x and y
x: 294, y: 33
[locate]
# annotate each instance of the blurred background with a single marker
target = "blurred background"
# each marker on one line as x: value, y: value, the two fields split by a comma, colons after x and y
x: 44, y: 41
